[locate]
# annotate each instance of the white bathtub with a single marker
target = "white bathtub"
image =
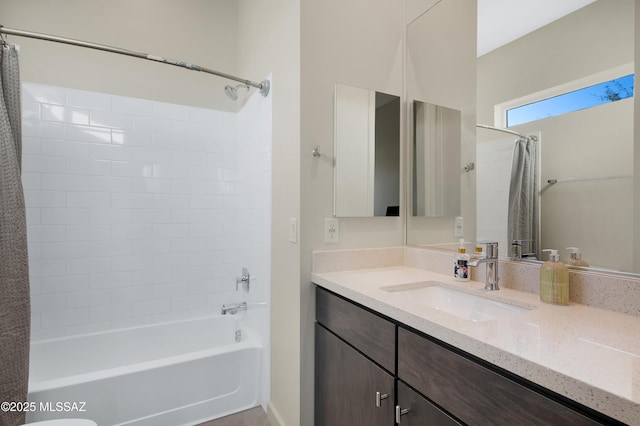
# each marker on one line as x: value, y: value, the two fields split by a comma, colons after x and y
x: 179, y: 373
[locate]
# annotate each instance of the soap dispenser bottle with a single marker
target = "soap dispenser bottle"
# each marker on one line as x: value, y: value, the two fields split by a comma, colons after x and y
x: 461, y: 264
x: 554, y: 280
x: 575, y: 257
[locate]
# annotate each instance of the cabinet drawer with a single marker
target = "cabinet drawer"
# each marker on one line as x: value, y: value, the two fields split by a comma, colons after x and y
x: 476, y: 394
x: 420, y: 411
x: 368, y: 332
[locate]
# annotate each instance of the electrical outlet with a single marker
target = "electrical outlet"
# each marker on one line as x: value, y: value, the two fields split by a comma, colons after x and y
x: 331, y: 230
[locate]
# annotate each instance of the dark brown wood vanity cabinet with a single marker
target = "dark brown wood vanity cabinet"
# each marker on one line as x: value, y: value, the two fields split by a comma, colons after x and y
x: 372, y: 370
x: 354, y: 382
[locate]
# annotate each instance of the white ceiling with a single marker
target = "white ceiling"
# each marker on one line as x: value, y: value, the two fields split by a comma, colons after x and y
x: 502, y: 21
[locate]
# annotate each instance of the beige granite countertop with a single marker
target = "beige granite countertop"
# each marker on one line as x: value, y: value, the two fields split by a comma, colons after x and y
x: 587, y: 354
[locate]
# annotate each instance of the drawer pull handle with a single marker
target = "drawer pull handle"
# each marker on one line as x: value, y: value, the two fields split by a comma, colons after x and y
x: 400, y: 412
x: 380, y: 397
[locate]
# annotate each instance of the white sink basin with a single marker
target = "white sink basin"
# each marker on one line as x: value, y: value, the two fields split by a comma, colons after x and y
x: 459, y: 303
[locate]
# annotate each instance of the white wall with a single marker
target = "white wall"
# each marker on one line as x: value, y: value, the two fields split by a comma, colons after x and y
x: 269, y: 39
x: 197, y: 31
x: 595, y: 216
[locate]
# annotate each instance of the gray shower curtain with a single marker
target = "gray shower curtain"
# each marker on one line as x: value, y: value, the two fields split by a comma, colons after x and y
x: 524, y: 216
x: 14, y: 268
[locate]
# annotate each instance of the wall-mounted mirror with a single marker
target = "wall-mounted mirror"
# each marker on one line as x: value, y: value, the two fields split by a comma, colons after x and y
x: 367, y: 153
x: 437, y: 135
x: 444, y: 74
x: 586, y: 191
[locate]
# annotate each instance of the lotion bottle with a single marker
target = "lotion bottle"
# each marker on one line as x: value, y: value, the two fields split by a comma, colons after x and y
x: 575, y: 257
x: 554, y: 280
x: 461, y: 264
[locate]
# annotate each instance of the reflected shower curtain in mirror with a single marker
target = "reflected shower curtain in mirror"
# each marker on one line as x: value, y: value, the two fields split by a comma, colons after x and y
x: 14, y: 267
x: 524, y: 215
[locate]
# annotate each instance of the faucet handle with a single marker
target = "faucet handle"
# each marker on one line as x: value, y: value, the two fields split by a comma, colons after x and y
x: 491, y: 250
x: 245, y: 280
x: 517, y: 251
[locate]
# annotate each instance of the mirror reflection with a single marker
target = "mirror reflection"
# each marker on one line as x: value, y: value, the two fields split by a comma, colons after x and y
x: 584, y: 167
x: 367, y: 153
x: 447, y: 77
x: 437, y: 135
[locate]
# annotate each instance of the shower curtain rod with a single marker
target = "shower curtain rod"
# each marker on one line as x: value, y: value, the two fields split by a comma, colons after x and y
x: 511, y: 132
x: 262, y: 86
x: 585, y: 179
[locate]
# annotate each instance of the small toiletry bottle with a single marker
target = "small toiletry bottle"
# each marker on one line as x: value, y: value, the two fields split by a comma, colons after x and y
x: 575, y: 257
x: 554, y: 280
x: 461, y: 264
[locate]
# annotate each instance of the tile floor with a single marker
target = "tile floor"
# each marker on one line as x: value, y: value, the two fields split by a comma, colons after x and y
x: 253, y: 417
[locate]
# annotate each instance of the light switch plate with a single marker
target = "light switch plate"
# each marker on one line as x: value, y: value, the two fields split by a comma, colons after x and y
x: 293, y: 230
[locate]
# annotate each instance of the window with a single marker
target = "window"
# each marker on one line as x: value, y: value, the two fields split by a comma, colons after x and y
x: 586, y: 97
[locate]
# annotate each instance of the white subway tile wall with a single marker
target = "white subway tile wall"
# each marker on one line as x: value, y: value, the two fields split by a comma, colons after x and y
x: 139, y: 211
x: 493, y: 175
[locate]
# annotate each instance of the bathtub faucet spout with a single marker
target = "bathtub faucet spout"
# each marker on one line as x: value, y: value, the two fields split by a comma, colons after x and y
x: 234, y: 308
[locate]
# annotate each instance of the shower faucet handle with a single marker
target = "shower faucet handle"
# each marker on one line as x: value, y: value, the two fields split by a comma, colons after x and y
x: 245, y: 280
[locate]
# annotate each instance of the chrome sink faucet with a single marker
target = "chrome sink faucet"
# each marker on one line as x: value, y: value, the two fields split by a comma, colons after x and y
x: 491, y: 260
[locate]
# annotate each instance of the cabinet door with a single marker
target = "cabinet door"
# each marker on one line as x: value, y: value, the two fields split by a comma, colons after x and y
x: 420, y: 411
x: 346, y: 386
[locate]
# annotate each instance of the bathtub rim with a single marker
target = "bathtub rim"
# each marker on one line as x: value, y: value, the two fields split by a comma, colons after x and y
x: 249, y: 341
x: 133, y: 327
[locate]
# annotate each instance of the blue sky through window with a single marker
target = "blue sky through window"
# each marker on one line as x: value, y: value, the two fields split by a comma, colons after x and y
x: 587, y: 97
